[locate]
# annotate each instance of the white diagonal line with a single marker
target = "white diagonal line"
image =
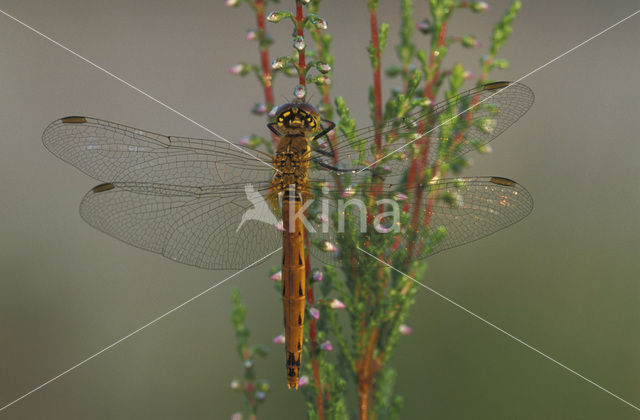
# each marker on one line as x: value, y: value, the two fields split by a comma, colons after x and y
x: 507, y: 87
x: 501, y: 330
x: 136, y: 331
x: 86, y: 60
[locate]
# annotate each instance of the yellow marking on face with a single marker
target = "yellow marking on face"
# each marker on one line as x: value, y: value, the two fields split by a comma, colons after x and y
x: 286, y: 114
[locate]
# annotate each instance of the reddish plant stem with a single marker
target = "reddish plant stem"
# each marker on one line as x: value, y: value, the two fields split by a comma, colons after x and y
x: 267, y: 78
x: 300, y: 31
x: 377, y: 85
x: 365, y: 369
x: 417, y: 170
x: 313, y: 336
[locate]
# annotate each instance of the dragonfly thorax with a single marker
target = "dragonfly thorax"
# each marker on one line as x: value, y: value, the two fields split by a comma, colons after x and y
x: 297, y: 118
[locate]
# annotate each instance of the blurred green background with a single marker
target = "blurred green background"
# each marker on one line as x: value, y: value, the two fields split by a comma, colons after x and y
x: 565, y: 280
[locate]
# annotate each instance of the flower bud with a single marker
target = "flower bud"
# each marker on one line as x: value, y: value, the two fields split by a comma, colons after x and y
x: 336, y: 304
x: 251, y: 35
x: 326, y: 346
x: 299, y: 43
x: 300, y: 92
x: 278, y: 63
x: 239, y: 69
x: 323, y: 67
x: 279, y: 339
x: 314, y: 312
x: 328, y: 246
x: 405, y: 329
x: 424, y: 26
x: 277, y: 16
x: 348, y: 192
x: 470, y: 41
x: 277, y: 276
x: 479, y: 6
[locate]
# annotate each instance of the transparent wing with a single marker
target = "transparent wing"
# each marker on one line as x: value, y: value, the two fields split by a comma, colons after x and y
x: 443, y: 133
x: 449, y: 213
x: 196, y: 226
x: 113, y: 152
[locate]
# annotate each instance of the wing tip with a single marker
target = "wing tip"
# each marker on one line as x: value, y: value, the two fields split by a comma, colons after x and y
x: 73, y: 119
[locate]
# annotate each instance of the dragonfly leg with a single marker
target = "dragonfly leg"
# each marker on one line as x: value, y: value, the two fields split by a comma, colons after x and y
x: 273, y: 129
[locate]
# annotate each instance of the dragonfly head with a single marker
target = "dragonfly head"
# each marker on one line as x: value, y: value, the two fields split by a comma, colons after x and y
x: 297, y: 117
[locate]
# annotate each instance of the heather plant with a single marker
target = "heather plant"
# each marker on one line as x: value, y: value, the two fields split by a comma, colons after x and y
x: 357, y: 309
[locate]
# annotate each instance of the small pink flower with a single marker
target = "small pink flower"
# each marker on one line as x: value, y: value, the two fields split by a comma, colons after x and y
x: 326, y: 346
x: 231, y: 3
x: 280, y: 226
x: 468, y: 75
x: 383, y: 229
x: 348, y: 192
x: 336, y: 304
x: 480, y: 6
x: 237, y: 69
x: 400, y: 197
x: 236, y: 416
x: 317, y: 276
x: 314, y: 312
x: 244, y: 141
x: 328, y: 246
x: 259, y: 109
x: 303, y: 381
x: 277, y: 276
x: 251, y: 35
x: 279, y: 339
x: 405, y: 329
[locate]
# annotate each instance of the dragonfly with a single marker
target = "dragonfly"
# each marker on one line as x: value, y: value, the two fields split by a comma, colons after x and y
x: 217, y: 205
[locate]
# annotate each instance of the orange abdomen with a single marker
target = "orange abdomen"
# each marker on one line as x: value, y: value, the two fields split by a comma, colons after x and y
x: 293, y: 286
